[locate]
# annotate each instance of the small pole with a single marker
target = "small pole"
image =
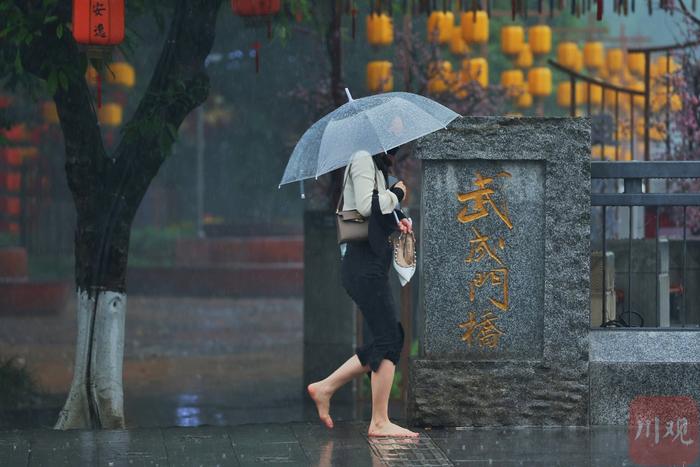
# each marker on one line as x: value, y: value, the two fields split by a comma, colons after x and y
x: 200, y: 171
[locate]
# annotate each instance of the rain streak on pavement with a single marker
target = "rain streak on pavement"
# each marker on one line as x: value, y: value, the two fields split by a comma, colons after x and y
x: 310, y: 444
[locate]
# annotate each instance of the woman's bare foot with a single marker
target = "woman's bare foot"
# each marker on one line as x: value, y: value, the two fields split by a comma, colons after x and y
x: 322, y: 398
x: 389, y: 429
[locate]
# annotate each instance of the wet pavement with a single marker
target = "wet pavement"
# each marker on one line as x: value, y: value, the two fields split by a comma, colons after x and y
x: 187, y: 361
x: 309, y: 444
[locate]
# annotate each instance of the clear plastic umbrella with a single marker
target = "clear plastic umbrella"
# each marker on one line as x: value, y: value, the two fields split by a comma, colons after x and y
x: 374, y: 124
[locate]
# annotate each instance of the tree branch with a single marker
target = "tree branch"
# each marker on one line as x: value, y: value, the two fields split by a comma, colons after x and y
x: 179, y: 84
x: 85, y: 154
x: 688, y: 14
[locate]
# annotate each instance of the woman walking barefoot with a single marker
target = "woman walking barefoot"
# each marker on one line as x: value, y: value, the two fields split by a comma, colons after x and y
x: 364, y: 273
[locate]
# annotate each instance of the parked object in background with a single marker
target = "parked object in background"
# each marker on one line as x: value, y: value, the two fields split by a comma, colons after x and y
x: 602, y: 288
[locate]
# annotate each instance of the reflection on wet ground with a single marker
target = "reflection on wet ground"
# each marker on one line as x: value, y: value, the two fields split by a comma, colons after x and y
x: 310, y: 444
x: 187, y: 362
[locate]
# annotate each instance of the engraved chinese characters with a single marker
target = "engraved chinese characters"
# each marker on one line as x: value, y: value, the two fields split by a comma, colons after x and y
x: 486, y: 257
x: 491, y: 271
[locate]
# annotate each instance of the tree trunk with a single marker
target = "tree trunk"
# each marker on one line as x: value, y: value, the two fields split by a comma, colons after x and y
x: 95, y: 399
x: 107, y: 191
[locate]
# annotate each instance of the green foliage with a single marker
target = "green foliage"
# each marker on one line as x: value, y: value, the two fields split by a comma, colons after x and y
x: 18, y: 389
x: 155, y: 246
x: 50, y: 267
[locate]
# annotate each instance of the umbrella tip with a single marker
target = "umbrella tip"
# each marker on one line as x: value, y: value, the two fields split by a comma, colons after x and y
x: 347, y: 92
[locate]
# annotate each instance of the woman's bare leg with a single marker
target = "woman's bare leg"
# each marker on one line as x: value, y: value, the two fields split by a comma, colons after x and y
x: 381, y: 389
x: 322, y: 391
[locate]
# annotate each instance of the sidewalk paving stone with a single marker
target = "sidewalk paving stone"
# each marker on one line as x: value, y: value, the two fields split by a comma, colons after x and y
x: 310, y: 444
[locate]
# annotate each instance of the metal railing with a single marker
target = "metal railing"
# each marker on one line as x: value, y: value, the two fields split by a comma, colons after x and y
x: 635, y: 177
x: 621, y: 94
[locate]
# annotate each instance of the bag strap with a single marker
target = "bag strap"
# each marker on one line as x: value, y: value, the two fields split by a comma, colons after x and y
x: 342, y: 192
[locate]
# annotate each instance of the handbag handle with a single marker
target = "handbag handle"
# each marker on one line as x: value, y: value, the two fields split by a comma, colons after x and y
x: 342, y: 192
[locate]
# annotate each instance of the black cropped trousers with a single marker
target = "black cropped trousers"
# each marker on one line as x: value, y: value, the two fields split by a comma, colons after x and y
x: 365, y: 276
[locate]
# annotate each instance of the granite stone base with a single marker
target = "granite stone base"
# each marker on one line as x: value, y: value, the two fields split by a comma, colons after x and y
x: 538, y: 174
x: 461, y: 393
x: 615, y: 384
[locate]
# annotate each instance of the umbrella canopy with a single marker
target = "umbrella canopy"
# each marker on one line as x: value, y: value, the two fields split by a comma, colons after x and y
x: 374, y: 124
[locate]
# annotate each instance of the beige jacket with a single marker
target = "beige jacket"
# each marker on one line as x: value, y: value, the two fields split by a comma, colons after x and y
x: 360, y: 185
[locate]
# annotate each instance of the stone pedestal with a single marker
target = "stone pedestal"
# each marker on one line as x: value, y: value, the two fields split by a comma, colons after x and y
x: 505, y: 274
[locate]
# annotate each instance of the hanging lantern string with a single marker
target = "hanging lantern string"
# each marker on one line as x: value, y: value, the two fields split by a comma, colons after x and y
x: 99, y: 88
x: 256, y: 47
x: 353, y: 13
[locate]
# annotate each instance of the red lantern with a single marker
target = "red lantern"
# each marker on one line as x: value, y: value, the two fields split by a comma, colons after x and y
x: 98, y: 22
x: 255, y: 7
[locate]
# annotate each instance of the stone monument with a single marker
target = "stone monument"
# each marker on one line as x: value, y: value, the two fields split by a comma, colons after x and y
x: 505, y: 274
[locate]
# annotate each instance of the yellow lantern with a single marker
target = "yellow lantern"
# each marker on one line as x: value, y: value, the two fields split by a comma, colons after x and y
x: 626, y: 155
x: 512, y: 81
x: 110, y: 114
x: 615, y: 61
x: 658, y: 132
x: 441, y: 77
x: 608, y: 152
x: 578, y: 65
x: 524, y: 59
x: 49, y: 111
x: 660, y: 100
x: 91, y: 75
x: 638, y: 100
x: 121, y: 73
x: 592, y: 93
x: 477, y: 69
x: 380, y: 29
x: 593, y: 55
x: 512, y: 39
x: 567, y: 54
x: 440, y: 24
x: 610, y: 93
x: 458, y: 45
x: 602, y: 73
x: 564, y: 94
x: 635, y: 63
x: 540, y: 81
x: 524, y: 100
x: 458, y: 86
x: 475, y: 28
x: 665, y: 66
x: 379, y: 76
x: 540, y: 39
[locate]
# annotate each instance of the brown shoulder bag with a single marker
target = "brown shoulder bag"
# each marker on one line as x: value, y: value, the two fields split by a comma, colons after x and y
x: 352, y: 226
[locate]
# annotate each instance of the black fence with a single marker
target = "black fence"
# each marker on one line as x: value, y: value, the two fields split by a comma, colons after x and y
x: 654, y: 283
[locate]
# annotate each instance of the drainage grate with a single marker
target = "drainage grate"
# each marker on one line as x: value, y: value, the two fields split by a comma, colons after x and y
x: 405, y: 452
